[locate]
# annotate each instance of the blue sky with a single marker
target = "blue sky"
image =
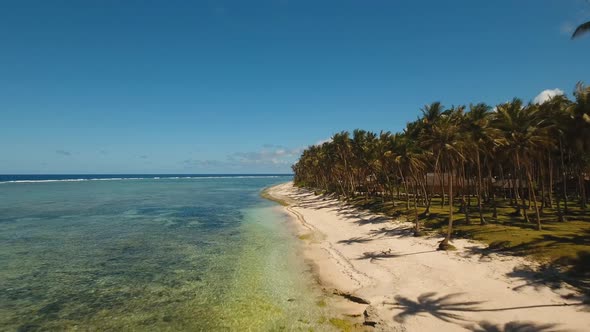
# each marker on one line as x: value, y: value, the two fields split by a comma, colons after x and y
x: 242, y: 86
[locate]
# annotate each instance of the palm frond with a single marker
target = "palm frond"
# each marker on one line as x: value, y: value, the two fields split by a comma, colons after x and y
x: 581, y: 29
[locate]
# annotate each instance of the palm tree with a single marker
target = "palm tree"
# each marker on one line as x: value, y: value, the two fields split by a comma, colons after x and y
x: 579, y: 136
x: 530, y: 149
x: 481, y: 139
x: 555, y: 110
x: 410, y: 160
x: 525, y: 134
x: 445, y: 140
x: 431, y: 114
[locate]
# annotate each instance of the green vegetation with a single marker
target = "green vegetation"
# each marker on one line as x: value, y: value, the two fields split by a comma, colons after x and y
x: 557, y: 242
x: 516, y: 177
x: 342, y: 324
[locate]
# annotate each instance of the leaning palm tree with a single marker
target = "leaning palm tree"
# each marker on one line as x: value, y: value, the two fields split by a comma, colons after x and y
x: 446, y: 141
x: 410, y: 160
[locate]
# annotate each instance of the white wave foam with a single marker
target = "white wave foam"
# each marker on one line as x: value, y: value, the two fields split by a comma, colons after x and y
x: 148, y: 178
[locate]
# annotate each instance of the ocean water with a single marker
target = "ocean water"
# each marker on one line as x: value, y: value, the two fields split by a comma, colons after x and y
x: 151, y: 253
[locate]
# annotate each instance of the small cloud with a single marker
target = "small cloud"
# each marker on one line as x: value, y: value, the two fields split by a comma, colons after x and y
x: 545, y: 95
x: 273, y: 146
x: 270, y: 157
x: 567, y: 28
x: 275, y: 156
x: 63, y: 152
x: 197, y: 163
x: 320, y: 142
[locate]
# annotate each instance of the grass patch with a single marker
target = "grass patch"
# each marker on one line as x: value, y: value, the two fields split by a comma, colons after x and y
x: 561, y: 245
x: 321, y: 303
x: 342, y: 324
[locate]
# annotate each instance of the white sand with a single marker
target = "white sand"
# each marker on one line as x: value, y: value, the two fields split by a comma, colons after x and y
x: 413, y: 287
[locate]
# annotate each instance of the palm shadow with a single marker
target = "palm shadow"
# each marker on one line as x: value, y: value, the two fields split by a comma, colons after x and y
x: 376, y: 256
x: 514, y: 326
x: 444, y: 308
x: 447, y: 308
x: 379, y: 255
x: 496, y: 247
x: 373, y: 220
x: 555, y: 276
x: 353, y: 240
x: 545, y: 276
x: 391, y: 232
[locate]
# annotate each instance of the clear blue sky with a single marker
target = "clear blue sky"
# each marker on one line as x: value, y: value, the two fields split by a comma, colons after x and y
x: 241, y: 86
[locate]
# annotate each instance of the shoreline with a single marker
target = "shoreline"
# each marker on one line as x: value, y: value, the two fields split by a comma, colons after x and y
x: 380, y: 278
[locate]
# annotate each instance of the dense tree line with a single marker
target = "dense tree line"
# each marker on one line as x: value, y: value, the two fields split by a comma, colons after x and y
x: 534, y: 156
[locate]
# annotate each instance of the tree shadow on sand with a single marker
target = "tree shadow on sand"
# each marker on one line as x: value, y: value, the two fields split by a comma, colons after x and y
x: 555, y: 278
x: 392, y: 232
x: 353, y: 240
x: 379, y: 255
x: 496, y: 247
x: 376, y: 255
x: 444, y: 308
x: 571, y: 270
x: 545, y: 276
x: 514, y: 326
x: 448, y: 308
x: 373, y: 220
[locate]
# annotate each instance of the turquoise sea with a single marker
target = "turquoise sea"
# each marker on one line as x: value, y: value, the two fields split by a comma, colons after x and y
x: 151, y: 253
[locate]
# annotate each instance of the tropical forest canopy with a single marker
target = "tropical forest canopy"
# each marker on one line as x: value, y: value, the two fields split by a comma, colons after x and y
x: 534, y: 156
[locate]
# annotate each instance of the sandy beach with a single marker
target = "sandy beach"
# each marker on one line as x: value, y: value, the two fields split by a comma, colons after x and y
x: 396, y: 282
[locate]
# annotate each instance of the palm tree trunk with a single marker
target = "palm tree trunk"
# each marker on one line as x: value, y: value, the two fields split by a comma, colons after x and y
x: 550, y: 202
x: 541, y: 179
x: 583, y: 198
x: 534, y: 197
x: 445, y: 245
x: 442, y: 188
x: 564, y: 179
x: 406, y: 189
x: 427, y: 198
x: 560, y: 217
x: 521, y: 190
x: 514, y: 197
x: 482, y: 221
x: 465, y: 187
x: 417, y: 218
x: 493, y: 196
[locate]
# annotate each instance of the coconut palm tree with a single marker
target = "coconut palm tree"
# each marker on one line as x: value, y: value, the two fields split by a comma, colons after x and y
x: 555, y: 111
x: 446, y: 141
x: 410, y: 160
x: 579, y: 136
x: 525, y: 135
x: 481, y: 138
x: 518, y: 150
x: 431, y: 114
